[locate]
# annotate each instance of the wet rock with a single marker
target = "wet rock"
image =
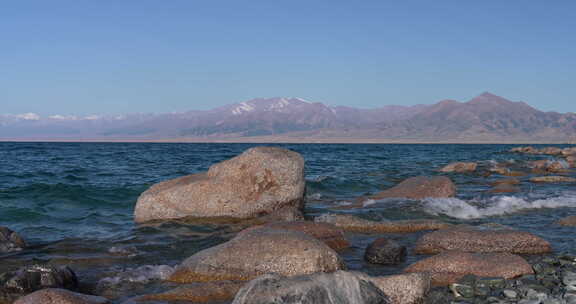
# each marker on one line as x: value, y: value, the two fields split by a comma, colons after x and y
x: 36, y: 277
x: 60, y: 296
x: 471, y: 239
x: 385, y: 251
x: 262, y: 181
x: 460, y: 167
x: 571, y: 160
x: 553, y: 179
x: 448, y: 267
x: 551, y: 151
x: 207, y: 292
x: 569, y: 151
x: 569, y: 221
x: 526, y: 150
x: 420, y: 187
x: 510, y: 294
x: 542, y: 166
x: 10, y: 241
x: 504, y: 188
x: 335, y: 288
x: 506, y: 181
x: 327, y: 233
x: 132, y: 279
x: 259, y: 252
x: 409, y: 288
x: 356, y: 224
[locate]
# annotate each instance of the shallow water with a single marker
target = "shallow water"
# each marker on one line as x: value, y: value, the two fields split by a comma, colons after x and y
x: 73, y: 202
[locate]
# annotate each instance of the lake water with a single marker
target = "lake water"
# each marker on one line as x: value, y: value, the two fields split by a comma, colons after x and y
x: 73, y: 202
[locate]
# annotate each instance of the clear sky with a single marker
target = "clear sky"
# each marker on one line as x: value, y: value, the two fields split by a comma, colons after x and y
x: 120, y: 56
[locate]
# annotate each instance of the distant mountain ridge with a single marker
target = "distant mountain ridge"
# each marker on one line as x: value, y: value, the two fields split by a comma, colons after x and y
x: 484, y: 118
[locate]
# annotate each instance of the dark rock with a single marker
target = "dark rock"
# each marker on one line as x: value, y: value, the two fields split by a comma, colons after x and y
x: 261, y: 182
x: 36, y: 277
x: 385, y: 251
x: 60, y: 296
x: 335, y: 288
x: 10, y: 241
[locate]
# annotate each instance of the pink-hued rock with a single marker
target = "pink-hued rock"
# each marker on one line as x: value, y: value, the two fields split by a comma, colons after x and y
x: 481, y: 240
x: 59, y: 296
x: 259, y: 252
x: 569, y: 221
x: 325, y: 232
x: 448, y: 267
x: 262, y: 181
x: 553, y: 179
x: 420, y: 187
x: 460, y: 167
x: 353, y: 223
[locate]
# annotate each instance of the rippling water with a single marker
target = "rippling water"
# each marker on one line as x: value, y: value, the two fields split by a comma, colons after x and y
x: 73, y: 202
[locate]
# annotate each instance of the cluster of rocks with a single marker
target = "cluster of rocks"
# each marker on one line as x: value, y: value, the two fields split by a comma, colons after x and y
x: 285, y: 259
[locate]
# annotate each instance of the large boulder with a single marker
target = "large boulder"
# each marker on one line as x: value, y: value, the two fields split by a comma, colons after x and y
x: 448, y: 267
x: 10, y: 241
x: 60, y: 296
x: 420, y: 187
x: 258, y: 252
x: 334, y: 288
x: 327, y: 233
x: 353, y: 223
x: 36, y: 277
x: 261, y: 181
x: 472, y: 239
x: 385, y: 251
x: 460, y: 167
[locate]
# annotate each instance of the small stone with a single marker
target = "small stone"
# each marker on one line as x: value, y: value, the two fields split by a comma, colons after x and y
x: 385, y: 251
x: 569, y: 279
x: 462, y: 290
x: 510, y: 294
x: 494, y: 283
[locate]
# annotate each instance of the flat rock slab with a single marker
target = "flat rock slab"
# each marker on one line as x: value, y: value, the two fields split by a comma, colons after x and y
x: 553, y: 179
x: 256, y: 253
x: 207, y: 292
x: 327, y: 288
x: 420, y: 187
x: 60, y: 296
x: 356, y: 224
x: 481, y: 240
x: 569, y: 221
x: 328, y: 233
x: 448, y: 267
x: 262, y: 181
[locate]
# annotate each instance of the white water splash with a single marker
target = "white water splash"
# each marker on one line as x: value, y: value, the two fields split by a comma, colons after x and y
x: 499, y: 205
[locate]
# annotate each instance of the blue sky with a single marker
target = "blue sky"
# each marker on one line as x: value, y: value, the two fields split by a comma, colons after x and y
x: 119, y: 56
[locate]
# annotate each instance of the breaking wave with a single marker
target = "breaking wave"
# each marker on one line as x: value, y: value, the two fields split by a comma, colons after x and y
x: 494, y: 206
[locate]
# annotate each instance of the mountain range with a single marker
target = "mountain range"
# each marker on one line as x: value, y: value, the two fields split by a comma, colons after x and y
x: 485, y: 118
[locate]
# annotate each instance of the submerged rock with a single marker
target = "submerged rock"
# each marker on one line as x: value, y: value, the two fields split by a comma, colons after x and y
x: 36, y: 277
x: 420, y: 187
x: 259, y: 252
x: 448, y: 267
x: 460, y: 167
x: 353, y: 223
x: 553, y: 179
x: 385, y: 251
x: 262, y: 181
x: 207, y: 292
x: 60, y: 296
x: 472, y: 239
x: 327, y: 233
x: 569, y: 221
x: 10, y: 241
x: 334, y: 288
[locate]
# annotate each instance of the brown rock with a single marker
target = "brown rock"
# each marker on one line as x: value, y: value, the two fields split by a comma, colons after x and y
x: 325, y: 232
x: 355, y: 224
x: 448, y: 267
x: 569, y: 221
x: 460, y: 167
x: 207, y: 292
x: 551, y: 151
x: 553, y: 179
x: 504, y: 188
x: 506, y: 181
x: 481, y: 240
x: 420, y: 187
x: 571, y: 160
x: 59, y: 296
x: 10, y: 241
x: 408, y: 288
x: 569, y: 151
x: 261, y: 181
x: 259, y: 252
x: 527, y: 150
x: 541, y: 166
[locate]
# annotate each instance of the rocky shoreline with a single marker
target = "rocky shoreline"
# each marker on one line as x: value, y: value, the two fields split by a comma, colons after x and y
x: 281, y: 258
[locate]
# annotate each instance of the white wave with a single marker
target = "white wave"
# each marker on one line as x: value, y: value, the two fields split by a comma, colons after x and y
x: 141, y: 275
x: 368, y: 202
x: 499, y: 205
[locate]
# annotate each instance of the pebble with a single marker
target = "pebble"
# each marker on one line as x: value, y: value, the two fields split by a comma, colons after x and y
x: 511, y: 294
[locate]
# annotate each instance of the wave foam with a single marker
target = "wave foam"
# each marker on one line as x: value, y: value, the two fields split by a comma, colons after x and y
x: 499, y: 205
